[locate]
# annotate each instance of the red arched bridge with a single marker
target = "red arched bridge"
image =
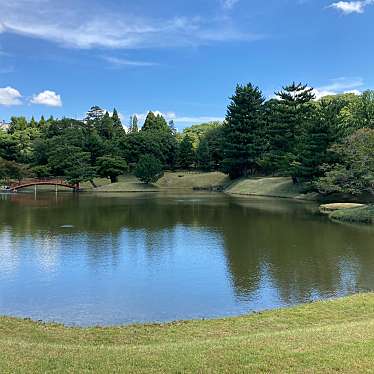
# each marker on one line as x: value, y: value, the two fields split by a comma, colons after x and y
x: 25, y: 183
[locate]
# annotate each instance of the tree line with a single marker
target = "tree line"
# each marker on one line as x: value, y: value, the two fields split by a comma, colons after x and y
x: 326, y: 144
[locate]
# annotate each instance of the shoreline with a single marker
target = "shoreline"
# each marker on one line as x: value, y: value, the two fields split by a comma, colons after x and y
x: 178, y: 181
x: 173, y: 322
x: 322, y: 336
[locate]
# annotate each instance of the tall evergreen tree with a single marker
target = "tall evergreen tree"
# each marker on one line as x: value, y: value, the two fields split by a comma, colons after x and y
x: 33, y: 123
x: 161, y: 123
x: 186, y: 153
x: 105, y: 126
x: 116, y: 120
x: 203, y: 156
x: 153, y: 122
x: 134, y: 124
x: 150, y: 122
x: 243, y: 140
x: 172, y: 127
x: 313, y: 147
x: 287, y: 123
x: 94, y: 114
x: 42, y: 122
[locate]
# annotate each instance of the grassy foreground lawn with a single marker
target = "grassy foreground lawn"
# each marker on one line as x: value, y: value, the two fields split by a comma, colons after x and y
x: 333, y: 336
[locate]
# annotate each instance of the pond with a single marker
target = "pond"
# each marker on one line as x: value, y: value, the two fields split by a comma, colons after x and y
x: 115, y: 259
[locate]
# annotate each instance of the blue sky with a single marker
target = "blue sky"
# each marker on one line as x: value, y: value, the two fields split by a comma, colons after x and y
x: 182, y: 58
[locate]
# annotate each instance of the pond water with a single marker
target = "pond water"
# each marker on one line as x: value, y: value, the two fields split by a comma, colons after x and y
x: 117, y: 259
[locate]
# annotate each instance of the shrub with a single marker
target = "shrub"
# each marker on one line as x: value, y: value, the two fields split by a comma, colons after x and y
x: 149, y: 169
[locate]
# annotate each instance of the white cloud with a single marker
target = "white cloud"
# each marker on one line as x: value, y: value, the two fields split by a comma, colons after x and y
x: 48, y: 98
x: 322, y: 93
x: 335, y: 87
x: 10, y: 96
x: 121, y: 62
x: 73, y: 25
x: 339, y: 86
x: 349, y: 7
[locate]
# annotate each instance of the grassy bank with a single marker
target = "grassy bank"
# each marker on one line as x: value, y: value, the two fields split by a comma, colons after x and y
x: 334, y: 336
x: 170, y: 181
x: 270, y: 186
x: 193, y: 180
x: 363, y: 214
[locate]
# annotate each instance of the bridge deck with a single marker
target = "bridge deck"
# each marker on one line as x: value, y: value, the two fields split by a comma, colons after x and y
x: 39, y: 182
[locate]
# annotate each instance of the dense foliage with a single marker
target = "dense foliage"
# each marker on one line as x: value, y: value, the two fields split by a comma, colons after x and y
x: 327, y: 144
x: 148, y: 169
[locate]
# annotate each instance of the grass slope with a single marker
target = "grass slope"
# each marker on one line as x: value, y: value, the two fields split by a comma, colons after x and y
x: 270, y: 186
x: 364, y: 214
x: 333, y: 336
x: 126, y: 183
x: 170, y: 181
x: 190, y: 180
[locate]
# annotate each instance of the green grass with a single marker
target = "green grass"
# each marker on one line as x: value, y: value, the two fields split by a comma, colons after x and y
x: 363, y: 214
x: 170, y: 181
x: 126, y: 183
x: 328, y: 208
x: 269, y: 186
x: 191, y: 180
x: 333, y: 336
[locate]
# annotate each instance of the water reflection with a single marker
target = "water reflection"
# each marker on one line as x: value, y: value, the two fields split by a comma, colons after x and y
x: 123, y: 258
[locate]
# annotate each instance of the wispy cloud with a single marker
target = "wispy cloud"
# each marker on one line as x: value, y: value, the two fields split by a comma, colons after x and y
x: 122, y: 62
x: 340, y: 85
x: 7, y: 70
x: 229, y: 4
x: 343, y: 83
x: 67, y: 24
x: 349, y: 7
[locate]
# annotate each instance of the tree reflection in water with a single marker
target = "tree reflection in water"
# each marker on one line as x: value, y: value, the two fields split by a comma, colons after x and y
x: 221, y: 253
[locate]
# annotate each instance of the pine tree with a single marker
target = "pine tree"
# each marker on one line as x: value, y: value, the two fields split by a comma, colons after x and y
x: 153, y: 122
x: 94, y: 114
x: 105, y: 126
x: 116, y: 120
x: 243, y: 140
x: 203, y: 156
x: 161, y: 123
x: 172, y: 127
x: 134, y: 124
x: 313, y: 147
x: 42, y: 122
x: 33, y: 123
x: 150, y: 122
x: 287, y: 122
x: 186, y: 153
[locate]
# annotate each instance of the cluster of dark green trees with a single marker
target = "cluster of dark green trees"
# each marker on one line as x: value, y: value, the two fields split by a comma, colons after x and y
x: 98, y: 146
x: 327, y: 144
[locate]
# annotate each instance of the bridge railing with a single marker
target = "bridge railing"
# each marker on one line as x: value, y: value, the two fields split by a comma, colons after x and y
x: 33, y: 181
